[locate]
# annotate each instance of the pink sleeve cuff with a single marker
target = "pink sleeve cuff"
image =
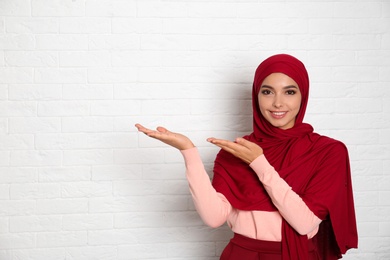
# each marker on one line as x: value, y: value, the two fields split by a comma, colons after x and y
x: 261, y: 166
x: 212, y: 206
x: 191, y: 157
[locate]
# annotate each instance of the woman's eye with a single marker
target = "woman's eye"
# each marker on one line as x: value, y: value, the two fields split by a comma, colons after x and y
x: 290, y: 92
x: 265, y: 92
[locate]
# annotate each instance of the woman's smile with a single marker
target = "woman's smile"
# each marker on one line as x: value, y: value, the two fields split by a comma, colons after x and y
x: 278, y: 114
x: 279, y: 100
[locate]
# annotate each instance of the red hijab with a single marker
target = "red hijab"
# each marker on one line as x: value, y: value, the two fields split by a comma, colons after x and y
x: 316, y: 167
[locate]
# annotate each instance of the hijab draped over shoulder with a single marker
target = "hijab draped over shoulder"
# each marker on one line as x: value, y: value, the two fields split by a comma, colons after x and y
x: 316, y: 167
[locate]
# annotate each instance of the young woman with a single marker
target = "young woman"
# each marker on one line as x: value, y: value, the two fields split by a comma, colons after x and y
x: 284, y: 190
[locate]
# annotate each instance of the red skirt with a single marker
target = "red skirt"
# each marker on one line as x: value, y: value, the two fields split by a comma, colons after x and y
x: 245, y: 248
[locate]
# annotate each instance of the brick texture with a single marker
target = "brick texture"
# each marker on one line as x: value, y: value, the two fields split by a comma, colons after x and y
x: 76, y: 179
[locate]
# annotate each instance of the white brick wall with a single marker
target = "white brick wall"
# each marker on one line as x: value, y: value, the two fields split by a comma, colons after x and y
x: 78, y: 182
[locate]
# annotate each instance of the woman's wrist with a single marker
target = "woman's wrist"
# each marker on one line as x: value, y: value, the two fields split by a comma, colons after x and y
x: 187, y: 147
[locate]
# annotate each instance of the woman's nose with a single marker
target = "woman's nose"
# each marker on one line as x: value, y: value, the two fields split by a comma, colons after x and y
x: 277, y: 102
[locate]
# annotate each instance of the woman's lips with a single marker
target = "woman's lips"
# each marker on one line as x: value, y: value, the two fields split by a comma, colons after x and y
x: 278, y: 114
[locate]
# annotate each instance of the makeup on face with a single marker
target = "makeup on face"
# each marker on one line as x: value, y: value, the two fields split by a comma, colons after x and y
x: 279, y: 100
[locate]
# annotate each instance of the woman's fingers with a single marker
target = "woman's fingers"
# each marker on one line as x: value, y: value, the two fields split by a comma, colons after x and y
x: 246, y: 143
x: 147, y: 131
x: 241, y: 148
x: 140, y: 127
x: 152, y: 133
x: 143, y: 129
x: 222, y: 142
x: 228, y: 146
x: 176, y: 140
x: 162, y: 129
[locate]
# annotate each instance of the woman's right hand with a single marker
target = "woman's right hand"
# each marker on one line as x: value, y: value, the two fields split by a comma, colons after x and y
x: 176, y: 140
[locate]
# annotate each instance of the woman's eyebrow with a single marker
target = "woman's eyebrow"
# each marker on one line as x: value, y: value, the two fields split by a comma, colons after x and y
x: 286, y: 87
x: 290, y: 86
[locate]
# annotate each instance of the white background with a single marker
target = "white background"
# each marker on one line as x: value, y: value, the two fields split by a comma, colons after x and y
x: 78, y: 182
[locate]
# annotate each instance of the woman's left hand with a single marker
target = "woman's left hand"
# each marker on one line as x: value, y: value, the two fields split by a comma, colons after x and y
x: 241, y: 148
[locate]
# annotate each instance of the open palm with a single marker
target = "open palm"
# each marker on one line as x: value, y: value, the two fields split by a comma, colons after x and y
x: 176, y: 140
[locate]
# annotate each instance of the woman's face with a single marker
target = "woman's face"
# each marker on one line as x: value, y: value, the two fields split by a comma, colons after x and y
x: 279, y: 100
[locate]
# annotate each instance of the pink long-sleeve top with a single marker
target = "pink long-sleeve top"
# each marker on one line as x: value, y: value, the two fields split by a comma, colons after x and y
x: 215, y: 209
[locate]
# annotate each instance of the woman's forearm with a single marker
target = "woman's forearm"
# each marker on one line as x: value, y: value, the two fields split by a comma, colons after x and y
x: 212, y: 206
x: 290, y: 205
